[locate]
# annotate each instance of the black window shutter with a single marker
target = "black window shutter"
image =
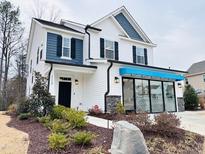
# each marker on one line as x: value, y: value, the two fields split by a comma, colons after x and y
x: 59, y: 45
x: 102, y: 48
x: 116, y: 51
x: 134, y: 53
x: 41, y: 53
x: 145, y: 56
x: 73, y: 48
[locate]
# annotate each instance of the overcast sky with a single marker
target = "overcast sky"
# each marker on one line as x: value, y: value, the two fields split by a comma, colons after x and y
x: 176, y: 26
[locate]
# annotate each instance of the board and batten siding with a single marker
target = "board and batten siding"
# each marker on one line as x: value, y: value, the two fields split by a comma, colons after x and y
x: 52, y: 46
x: 128, y: 28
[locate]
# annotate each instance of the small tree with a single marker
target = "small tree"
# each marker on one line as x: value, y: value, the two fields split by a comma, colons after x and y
x: 41, y: 101
x: 190, y: 98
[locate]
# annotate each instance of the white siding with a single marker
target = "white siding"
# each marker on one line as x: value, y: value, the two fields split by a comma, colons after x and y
x: 95, y: 87
x: 111, y: 31
x: 37, y: 42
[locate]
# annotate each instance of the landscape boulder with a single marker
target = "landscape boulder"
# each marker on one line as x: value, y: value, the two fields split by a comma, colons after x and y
x: 128, y: 139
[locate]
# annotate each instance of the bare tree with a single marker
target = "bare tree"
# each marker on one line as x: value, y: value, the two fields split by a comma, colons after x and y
x: 10, y: 38
x: 51, y: 13
x: 21, y: 70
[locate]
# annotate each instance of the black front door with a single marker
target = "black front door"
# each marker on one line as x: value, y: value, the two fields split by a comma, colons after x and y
x: 64, y: 94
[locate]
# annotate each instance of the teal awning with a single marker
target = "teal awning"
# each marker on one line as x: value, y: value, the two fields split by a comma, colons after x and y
x: 126, y: 71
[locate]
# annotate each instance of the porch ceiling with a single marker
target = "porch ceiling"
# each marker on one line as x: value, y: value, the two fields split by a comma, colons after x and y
x: 77, y: 69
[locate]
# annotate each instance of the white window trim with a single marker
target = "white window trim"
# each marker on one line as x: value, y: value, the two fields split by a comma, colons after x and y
x: 109, y: 49
x: 140, y: 56
x: 69, y: 47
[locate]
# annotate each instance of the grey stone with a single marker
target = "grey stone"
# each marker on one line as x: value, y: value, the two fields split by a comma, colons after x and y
x: 181, y: 106
x: 111, y: 102
x: 128, y: 139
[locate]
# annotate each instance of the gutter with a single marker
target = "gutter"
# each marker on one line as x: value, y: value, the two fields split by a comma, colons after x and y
x: 147, y: 66
x: 49, y: 76
x: 108, y: 85
x: 86, y: 31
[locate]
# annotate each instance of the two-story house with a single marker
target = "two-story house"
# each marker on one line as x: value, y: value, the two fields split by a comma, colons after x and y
x: 108, y: 61
x: 196, y: 76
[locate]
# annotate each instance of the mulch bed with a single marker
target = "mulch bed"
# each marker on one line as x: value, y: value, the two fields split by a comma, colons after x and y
x: 162, y: 140
x: 158, y: 143
x: 38, y: 135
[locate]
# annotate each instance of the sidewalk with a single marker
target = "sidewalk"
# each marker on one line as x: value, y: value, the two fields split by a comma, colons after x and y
x: 12, y: 141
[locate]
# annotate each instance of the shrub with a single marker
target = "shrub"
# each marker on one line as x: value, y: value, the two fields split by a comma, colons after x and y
x: 57, y: 141
x: 120, y: 108
x: 44, y: 120
x: 23, y: 106
x: 12, y: 108
x: 41, y: 101
x: 167, y: 120
x: 190, y: 98
x: 57, y: 111
x: 75, y: 118
x: 59, y: 126
x: 95, y: 110
x: 83, y: 137
x: 23, y: 116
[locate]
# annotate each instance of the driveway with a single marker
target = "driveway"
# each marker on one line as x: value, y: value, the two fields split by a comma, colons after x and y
x: 12, y: 141
x: 193, y: 121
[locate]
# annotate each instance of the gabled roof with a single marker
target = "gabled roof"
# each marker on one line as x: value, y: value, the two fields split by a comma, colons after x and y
x: 198, y: 67
x: 134, y: 25
x: 52, y: 24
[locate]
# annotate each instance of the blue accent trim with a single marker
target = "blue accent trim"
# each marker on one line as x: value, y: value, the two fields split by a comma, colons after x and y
x: 51, y: 50
x: 136, y: 71
x: 128, y: 28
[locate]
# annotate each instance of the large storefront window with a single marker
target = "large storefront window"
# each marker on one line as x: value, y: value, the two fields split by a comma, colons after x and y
x: 169, y: 97
x: 156, y: 96
x: 142, y: 95
x: 128, y: 94
x: 139, y: 94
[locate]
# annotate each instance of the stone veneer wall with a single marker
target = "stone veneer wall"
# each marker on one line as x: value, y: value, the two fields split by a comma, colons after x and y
x: 112, y: 101
x: 181, y: 106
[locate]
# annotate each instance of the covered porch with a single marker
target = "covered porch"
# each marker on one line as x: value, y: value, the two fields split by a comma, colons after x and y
x: 67, y: 83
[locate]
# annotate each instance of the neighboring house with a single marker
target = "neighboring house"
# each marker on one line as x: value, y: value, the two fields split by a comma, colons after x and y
x: 196, y: 76
x: 108, y: 61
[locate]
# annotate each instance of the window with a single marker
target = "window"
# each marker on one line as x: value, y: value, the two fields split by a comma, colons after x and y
x: 156, y: 96
x: 109, y: 49
x: 140, y: 56
x: 169, y: 96
x: 142, y: 95
x: 128, y: 94
x: 66, y: 52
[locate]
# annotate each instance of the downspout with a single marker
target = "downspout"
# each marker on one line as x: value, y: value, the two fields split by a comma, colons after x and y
x: 86, y: 31
x: 49, y: 76
x: 108, y: 85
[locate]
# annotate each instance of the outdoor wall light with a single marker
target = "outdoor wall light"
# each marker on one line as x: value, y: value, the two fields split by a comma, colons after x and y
x: 76, y: 82
x: 117, y: 80
x: 179, y: 85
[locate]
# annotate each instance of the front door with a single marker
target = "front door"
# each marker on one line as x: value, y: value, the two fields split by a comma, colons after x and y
x: 64, y: 94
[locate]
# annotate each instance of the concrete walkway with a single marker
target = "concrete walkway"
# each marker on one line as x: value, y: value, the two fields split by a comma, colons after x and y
x: 193, y: 121
x: 100, y: 122
x: 12, y: 141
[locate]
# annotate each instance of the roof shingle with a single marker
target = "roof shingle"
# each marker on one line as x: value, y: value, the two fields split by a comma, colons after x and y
x: 198, y: 67
x: 48, y: 23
